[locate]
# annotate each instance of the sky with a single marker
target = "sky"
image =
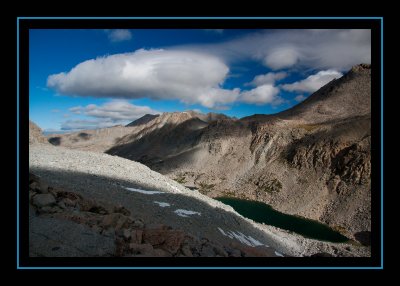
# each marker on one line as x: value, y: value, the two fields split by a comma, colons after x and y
x: 89, y: 78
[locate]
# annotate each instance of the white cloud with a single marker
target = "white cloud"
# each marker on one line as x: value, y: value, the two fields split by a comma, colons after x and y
x: 300, y: 97
x: 76, y: 109
x: 282, y: 58
x: 118, y: 35
x: 55, y: 110
x: 190, y: 77
x: 338, y: 49
x: 194, y: 74
x: 116, y: 110
x: 268, y: 78
x: 262, y: 94
x: 217, y: 97
x: 313, y: 82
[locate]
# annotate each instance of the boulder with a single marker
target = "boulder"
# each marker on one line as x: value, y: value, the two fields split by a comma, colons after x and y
x: 187, y: 251
x: 42, y: 200
x: 115, y: 220
x: 169, y: 240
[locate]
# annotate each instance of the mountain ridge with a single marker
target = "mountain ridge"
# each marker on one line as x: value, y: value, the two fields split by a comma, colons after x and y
x: 325, y: 139
x: 312, y: 160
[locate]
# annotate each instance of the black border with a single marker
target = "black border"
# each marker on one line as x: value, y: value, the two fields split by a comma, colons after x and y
x: 25, y: 24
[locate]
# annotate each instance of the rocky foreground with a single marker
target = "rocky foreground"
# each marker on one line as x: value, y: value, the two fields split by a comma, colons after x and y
x: 93, y: 204
x: 64, y: 223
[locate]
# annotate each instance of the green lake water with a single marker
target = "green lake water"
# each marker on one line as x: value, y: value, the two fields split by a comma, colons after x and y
x: 263, y: 213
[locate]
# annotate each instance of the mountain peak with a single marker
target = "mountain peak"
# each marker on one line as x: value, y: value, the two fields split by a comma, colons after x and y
x: 345, y: 97
x: 361, y: 68
x: 143, y: 120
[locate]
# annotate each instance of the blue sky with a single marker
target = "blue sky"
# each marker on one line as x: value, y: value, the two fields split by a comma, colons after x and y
x: 86, y: 78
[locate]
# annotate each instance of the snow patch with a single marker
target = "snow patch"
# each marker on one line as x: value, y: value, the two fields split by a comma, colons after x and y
x: 162, y: 204
x: 222, y: 231
x: 143, y: 191
x: 173, y: 187
x: 278, y: 254
x: 248, y: 240
x: 185, y: 213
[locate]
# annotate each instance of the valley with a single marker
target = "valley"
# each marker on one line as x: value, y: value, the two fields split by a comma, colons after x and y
x: 312, y: 161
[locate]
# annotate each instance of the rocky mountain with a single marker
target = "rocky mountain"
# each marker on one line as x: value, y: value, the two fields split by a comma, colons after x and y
x: 98, y: 140
x: 143, y: 120
x: 35, y: 134
x: 102, y: 139
x: 312, y: 160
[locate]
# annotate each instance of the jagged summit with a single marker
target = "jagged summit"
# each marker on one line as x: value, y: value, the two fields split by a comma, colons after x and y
x: 345, y: 97
x: 142, y: 120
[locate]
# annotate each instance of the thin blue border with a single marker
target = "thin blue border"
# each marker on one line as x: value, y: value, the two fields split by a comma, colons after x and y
x: 203, y: 18
x: 18, y: 144
x: 200, y: 18
x: 382, y: 143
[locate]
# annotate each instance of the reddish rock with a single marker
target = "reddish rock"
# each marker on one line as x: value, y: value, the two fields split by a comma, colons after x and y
x: 136, y: 236
x: 169, y: 240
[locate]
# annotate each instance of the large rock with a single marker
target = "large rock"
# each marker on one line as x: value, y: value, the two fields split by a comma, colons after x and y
x: 169, y: 240
x: 42, y: 200
x: 115, y: 220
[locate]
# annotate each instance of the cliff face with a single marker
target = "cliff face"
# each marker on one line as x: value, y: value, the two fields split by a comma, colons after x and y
x: 312, y: 160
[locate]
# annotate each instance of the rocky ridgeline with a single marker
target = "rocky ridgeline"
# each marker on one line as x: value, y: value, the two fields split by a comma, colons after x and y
x: 35, y: 134
x: 64, y: 223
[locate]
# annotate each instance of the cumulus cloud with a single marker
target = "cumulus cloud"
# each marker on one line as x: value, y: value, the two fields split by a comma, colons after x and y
x: 55, y: 110
x: 300, y: 98
x: 114, y: 110
x: 190, y: 77
x: 262, y: 94
x: 313, y: 82
x: 282, y: 58
x: 269, y: 78
x: 194, y: 74
x: 338, y: 49
x: 117, y: 112
x: 118, y: 35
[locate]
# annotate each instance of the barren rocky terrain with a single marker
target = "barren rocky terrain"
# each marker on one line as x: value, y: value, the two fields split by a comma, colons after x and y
x: 91, y: 204
x: 312, y: 160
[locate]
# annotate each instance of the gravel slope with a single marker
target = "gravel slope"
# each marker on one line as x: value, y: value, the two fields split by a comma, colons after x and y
x: 105, y: 177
